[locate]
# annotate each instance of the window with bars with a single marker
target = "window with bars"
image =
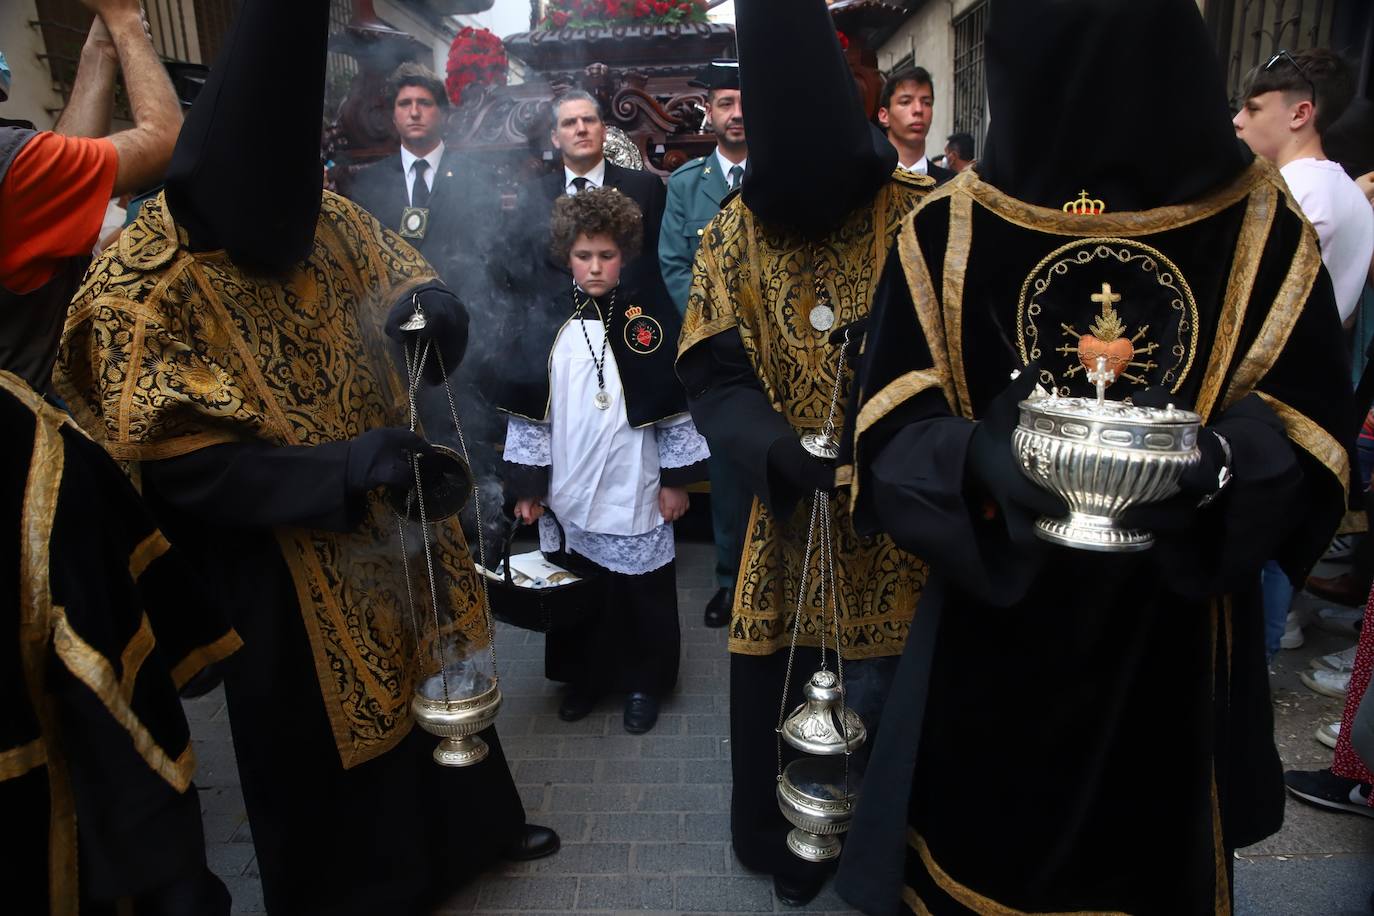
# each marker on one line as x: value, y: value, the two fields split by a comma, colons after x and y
x: 189, y: 31
x: 1252, y: 30
x: 970, y: 75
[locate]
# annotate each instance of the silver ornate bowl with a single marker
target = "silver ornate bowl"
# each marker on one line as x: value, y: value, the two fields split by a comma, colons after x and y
x: 1101, y: 457
x: 458, y: 721
x: 815, y: 797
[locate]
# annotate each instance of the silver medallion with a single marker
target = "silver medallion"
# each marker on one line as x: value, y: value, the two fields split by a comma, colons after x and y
x: 415, y: 322
x: 602, y: 400
x: 822, y: 318
x: 821, y: 445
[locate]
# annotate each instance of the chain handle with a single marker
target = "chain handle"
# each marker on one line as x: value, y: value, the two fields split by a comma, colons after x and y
x: 820, y: 513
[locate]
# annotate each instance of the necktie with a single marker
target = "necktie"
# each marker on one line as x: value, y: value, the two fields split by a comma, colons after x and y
x: 580, y: 184
x: 736, y: 173
x: 419, y: 192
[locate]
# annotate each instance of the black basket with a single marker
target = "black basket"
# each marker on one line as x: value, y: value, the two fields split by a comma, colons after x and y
x: 556, y: 609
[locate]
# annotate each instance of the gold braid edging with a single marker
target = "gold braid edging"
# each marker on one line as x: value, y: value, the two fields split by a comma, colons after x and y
x: 1312, y: 439
x: 971, y: 898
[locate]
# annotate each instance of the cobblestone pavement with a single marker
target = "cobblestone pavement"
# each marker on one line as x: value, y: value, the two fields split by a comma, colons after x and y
x: 644, y: 819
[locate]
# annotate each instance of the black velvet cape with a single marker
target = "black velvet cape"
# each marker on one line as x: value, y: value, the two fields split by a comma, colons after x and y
x: 642, y: 338
x: 1071, y: 730
x: 103, y: 624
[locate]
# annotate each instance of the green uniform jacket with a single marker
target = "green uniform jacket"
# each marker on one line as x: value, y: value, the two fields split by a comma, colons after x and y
x: 694, y: 195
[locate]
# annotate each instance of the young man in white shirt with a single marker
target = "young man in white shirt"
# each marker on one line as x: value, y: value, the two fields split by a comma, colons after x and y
x: 1290, y: 102
x: 905, y: 108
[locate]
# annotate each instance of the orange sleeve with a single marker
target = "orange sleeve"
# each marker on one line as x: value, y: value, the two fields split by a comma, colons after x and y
x: 52, y: 201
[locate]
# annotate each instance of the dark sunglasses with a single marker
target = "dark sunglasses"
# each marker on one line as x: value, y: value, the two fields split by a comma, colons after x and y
x: 1282, y: 54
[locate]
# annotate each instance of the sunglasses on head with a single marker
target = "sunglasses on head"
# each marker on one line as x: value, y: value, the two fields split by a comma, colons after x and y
x: 1283, y: 54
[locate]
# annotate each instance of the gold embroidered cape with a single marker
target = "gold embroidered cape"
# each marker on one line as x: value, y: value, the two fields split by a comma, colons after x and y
x: 166, y: 352
x: 761, y: 283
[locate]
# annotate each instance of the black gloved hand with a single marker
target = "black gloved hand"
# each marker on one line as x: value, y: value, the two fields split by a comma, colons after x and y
x: 798, y: 467
x: 856, y: 330
x: 446, y: 328
x: 1179, y: 511
x: 992, y: 464
x: 381, y: 458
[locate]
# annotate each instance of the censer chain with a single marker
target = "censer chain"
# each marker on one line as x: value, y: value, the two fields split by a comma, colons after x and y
x: 820, y: 510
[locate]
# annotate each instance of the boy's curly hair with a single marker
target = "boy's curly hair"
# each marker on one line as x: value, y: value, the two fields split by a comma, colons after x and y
x: 596, y: 211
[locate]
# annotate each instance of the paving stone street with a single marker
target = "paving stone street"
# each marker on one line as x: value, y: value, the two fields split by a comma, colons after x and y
x: 644, y: 819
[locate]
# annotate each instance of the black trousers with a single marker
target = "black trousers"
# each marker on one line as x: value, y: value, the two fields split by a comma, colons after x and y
x: 634, y: 645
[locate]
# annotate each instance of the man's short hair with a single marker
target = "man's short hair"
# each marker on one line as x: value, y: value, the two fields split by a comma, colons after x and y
x: 918, y: 75
x: 963, y: 145
x: 1316, y: 71
x: 575, y: 95
x: 413, y: 74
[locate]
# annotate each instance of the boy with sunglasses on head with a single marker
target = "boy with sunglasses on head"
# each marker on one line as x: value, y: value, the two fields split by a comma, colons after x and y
x: 1290, y: 101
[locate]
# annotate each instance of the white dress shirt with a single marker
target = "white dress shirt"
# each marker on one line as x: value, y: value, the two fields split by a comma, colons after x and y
x: 726, y: 165
x: 919, y: 167
x: 408, y: 160
x: 597, y: 177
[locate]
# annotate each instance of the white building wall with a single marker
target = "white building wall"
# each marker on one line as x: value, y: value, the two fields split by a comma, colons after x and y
x: 928, y: 36
x: 31, y: 90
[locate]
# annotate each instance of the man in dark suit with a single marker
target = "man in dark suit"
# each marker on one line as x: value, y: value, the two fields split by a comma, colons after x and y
x: 425, y: 192
x: 579, y: 134
x: 905, y: 108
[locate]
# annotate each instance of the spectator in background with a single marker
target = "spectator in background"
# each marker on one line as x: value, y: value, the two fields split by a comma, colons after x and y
x: 96, y: 775
x: 958, y: 151
x: 694, y: 195
x: 55, y: 185
x: 1289, y: 103
x: 579, y: 135
x: 905, y: 108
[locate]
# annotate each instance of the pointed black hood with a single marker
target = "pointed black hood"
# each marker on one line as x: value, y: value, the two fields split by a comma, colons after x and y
x: 813, y: 155
x: 245, y: 175
x: 1122, y: 98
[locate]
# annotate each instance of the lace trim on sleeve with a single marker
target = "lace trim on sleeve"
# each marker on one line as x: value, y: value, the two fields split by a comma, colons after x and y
x: 528, y: 442
x: 680, y: 445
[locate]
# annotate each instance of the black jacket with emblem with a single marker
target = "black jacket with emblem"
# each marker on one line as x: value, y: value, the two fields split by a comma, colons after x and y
x: 643, y: 340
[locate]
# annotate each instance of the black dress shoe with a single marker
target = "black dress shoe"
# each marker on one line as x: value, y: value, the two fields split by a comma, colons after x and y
x: 793, y: 891
x: 578, y: 702
x: 720, y: 606
x: 535, y: 843
x: 641, y: 712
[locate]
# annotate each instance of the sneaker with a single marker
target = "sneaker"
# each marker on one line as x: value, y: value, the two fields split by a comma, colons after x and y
x: 1327, y: 683
x: 1336, y: 661
x: 1329, y: 734
x: 1325, y: 789
x: 1339, y: 620
x: 1342, y: 548
x: 1292, y: 632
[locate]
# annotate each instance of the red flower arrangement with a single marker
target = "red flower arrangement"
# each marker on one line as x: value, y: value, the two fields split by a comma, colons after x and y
x: 475, y: 57
x: 584, y: 14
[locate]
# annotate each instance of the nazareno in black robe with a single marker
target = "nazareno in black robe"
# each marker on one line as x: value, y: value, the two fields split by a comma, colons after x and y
x: 1072, y: 730
x: 104, y: 623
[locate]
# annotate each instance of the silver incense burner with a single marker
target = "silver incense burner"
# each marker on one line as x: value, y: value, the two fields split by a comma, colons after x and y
x: 817, y: 794
x: 1101, y: 457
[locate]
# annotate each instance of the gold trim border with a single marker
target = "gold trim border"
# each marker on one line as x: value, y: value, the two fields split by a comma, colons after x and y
x: 1312, y: 439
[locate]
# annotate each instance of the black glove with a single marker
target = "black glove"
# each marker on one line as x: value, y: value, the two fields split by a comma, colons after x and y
x: 856, y: 330
x: 992, y: 464
x: 798, y: 467
x: 1179, y: 511
x: 446, y: 328
x: 381, y: 458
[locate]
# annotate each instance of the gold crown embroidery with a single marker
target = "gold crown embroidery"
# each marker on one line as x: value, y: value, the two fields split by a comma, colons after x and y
x: 634, y: 311
x: 1085, y: 205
